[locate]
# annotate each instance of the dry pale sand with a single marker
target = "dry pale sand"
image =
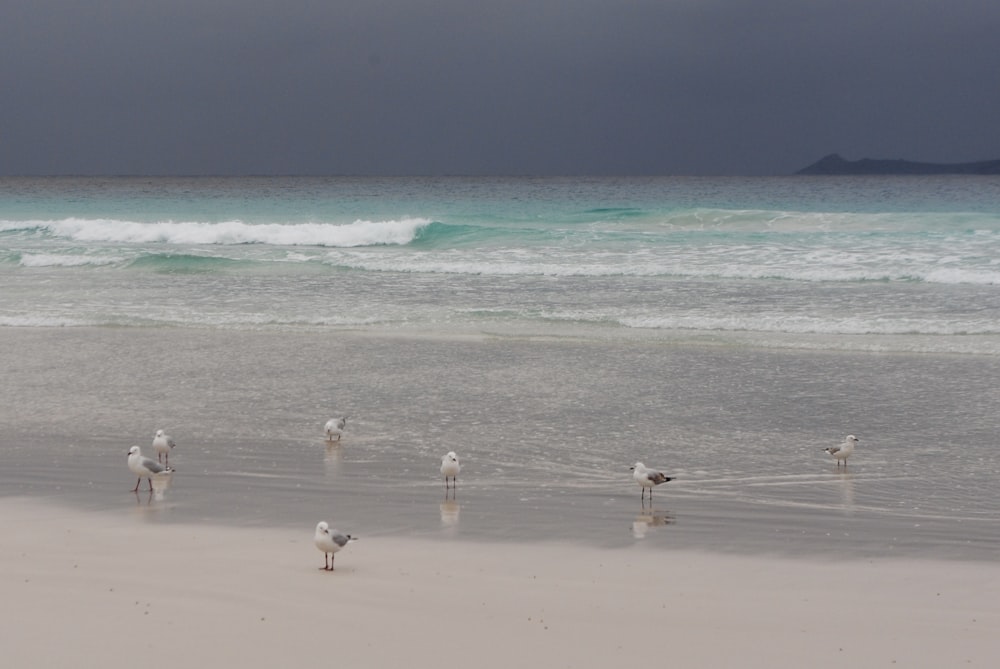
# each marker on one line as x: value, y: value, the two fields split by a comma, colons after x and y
x: 83, y: 589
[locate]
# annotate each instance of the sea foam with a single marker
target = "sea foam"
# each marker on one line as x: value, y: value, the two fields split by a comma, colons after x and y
x: 358, y: 233
x: 69, y: 260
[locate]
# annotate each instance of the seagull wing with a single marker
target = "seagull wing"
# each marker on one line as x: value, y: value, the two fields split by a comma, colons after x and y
x: 340, y: 538
x: 152, y: 465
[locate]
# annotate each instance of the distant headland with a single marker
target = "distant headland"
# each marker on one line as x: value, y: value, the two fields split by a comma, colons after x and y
x: 834, y: 164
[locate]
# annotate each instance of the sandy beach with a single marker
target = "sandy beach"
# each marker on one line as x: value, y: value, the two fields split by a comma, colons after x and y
x: 90, y: 589
x: 753, y: 558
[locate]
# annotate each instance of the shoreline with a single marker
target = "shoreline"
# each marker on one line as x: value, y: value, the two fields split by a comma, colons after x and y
x: 980, y: 345
x: 248, y: 408
x: 115, y: 591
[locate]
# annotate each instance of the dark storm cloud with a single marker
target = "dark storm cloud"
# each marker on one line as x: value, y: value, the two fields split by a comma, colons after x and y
x: 446, y: 87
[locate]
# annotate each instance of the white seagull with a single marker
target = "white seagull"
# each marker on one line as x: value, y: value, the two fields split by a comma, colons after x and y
x: 844, y: 450
x: 334, y: 428
x: 144, y: 467
x: 330, y: 541
x: 162, y: 444
x: 450, y: 468
x: 647, y: 478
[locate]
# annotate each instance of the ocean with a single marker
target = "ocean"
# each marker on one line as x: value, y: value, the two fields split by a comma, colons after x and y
x: 552, y: 331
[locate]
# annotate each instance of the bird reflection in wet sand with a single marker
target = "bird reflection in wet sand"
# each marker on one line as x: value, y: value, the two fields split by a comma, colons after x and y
x: 333, y: 458
x: 650, y: 518
x: 160, y: 486
x: 449, y: 513
x: 846, y: 491
x: 157, y: 493
x: 143, y: 498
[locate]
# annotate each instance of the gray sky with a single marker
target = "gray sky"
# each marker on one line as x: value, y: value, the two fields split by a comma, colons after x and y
x: 741, y: 87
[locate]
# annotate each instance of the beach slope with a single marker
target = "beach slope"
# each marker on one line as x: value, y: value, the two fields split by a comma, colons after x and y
x: 120, y: 591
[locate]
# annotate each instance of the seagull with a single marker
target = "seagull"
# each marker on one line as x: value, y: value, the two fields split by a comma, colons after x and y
x: 335, y: 426
x: 330, y: 541
x: 162, y: 443
x: 844, y: 450
x: 647, y: 478
x: 144, y: 467
x: 450, y: 468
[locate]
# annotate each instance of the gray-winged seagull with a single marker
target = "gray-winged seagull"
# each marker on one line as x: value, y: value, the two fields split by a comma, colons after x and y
x: 450, y: 468
x: 844, y: 450
x: 144, y: 467
x: 334, y: 428
x: 647, y: 478
x: 162, y: 445
x: 330, y: 541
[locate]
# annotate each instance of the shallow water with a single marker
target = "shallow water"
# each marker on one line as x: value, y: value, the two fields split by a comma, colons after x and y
x: 550, y: 331
x: 546, y: 428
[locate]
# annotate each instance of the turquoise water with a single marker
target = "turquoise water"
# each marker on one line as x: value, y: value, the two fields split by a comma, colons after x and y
x: 550, y: 331
x: 773, y: 259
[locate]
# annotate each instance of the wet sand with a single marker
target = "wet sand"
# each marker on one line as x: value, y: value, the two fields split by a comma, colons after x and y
x: 546, y: 428
x: 94, y: 589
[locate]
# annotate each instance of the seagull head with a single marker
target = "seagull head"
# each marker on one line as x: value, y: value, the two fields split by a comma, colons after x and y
x: 134, y: 450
